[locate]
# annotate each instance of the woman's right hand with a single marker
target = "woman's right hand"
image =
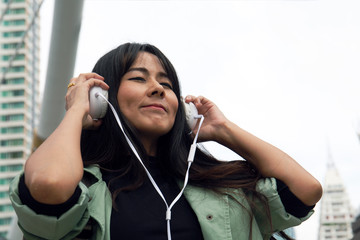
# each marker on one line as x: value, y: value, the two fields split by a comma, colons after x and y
x: 77, y: 96
x: 61, y: 150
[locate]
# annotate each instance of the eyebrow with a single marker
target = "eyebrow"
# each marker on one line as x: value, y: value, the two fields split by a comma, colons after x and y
x: 145, y: 71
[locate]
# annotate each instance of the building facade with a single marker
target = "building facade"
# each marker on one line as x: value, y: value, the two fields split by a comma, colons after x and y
x: 19, y: 93
x: 336, y: 213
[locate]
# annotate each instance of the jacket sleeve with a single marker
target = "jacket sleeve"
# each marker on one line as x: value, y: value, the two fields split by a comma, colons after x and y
x: 37, y: 226
x: 280, y: 218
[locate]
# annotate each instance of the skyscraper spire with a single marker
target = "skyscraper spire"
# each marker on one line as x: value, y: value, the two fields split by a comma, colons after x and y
x: 336, y: 213
x: 330, y: 160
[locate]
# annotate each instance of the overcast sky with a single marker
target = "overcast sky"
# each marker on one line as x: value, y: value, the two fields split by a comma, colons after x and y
x: 287, y: 71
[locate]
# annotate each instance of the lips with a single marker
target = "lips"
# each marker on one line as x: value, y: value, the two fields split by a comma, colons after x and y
x: 155, y: 105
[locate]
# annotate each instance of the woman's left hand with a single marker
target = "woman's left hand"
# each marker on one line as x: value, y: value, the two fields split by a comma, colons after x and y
x: 213, y: 118
x: 269, y: 160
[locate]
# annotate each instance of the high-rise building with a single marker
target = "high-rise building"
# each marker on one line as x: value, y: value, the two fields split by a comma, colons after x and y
x: 336, y: 213
x: 19, y: 92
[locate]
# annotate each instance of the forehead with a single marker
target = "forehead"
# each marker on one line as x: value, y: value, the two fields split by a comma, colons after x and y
x: 149, y: 61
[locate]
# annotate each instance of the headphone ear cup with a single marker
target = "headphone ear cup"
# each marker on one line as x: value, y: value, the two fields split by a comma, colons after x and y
x: 98, y: 105
x: 191, y: 114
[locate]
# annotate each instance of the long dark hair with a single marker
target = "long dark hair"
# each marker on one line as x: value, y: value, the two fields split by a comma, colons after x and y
x: 107, y: 146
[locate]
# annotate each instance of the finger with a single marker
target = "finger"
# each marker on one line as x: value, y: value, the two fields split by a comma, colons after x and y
x: 198, y: 101
x: 87, y: 84
x: 189, y: 98
x: 86, y: 76
x: 97, y: 123
x: 93, y: 124
x: 96, y: 82
x: 97, y: 76
x: 73, y: 80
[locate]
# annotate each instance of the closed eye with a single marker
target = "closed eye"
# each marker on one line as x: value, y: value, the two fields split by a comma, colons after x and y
x: 137, y: 79
x: 141, y: 79
x: 167, y: 85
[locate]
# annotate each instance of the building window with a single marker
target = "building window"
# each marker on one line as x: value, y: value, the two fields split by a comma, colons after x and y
x: 10, y: 168
x: 12, y: 117
x: 14, y: 81
x: 11, y: 142
x: 13, y: 93
x: 6, y: 208
x: 16, y: 11
x: 13, y: 34
x: 13, y: 1
x: 17, y: 57
x: 12, y: 105
x: 13, y: 69
x: 10, y: 130
x: 5, y: 181
x: 3, y: 195
x: 16, y: 22
x: 12, y: 45
x: 5, y: 221
x: 10, y: 155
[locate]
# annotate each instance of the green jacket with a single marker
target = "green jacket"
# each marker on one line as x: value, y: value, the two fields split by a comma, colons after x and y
x: 220, y: 216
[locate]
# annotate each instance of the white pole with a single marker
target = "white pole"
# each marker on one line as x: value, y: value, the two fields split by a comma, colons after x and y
x: 62, y: 55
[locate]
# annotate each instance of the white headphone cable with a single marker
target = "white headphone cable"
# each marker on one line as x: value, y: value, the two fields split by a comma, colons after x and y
x: 190, y: 161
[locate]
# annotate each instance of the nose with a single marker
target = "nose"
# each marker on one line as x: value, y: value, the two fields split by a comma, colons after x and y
x: 156, y: 89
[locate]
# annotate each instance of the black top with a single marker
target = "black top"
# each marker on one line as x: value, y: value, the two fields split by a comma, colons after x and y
x: 141, y: 213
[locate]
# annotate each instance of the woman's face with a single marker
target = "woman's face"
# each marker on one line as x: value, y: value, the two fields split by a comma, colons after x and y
x: 146, y: 98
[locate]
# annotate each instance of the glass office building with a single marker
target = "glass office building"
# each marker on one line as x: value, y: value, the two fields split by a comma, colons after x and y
x: 19, y: 93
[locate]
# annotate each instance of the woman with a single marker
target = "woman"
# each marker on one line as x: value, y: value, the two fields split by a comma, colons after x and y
x: 113, y: 198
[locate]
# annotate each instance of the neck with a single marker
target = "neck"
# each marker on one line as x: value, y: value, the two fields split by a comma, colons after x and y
x: 150, y: 146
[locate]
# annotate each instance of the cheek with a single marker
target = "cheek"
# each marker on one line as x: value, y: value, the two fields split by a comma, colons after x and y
x: 120, y: 99
x: 175, y: 105
x: 124, y: 99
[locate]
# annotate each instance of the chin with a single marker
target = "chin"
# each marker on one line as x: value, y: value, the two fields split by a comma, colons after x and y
x: 156, y: 131
x: 154, y: 127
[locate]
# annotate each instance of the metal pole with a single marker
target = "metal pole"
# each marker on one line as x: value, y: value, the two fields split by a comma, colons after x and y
x: 62, y: 56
